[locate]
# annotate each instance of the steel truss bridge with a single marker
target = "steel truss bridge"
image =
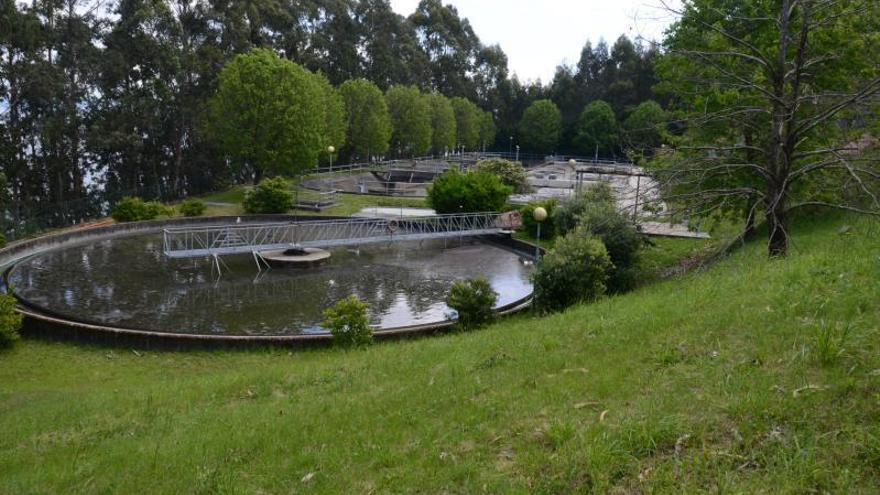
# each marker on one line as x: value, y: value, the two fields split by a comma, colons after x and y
x: 213, y: 241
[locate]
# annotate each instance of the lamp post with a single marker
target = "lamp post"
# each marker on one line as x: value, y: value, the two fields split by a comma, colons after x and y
x: 510, y: 147
x: 331, y: 150
x: 539, y: 214
x: 517, y: 153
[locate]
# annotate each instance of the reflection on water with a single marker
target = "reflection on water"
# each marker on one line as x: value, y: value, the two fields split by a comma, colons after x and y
x: 128, y: 282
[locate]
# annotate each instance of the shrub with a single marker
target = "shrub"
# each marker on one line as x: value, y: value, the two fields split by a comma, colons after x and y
x: 622, y: 241
x: 567, y: 216
x: 2, y: 241
x: 10, y: 320
x: 474, y: 300
x: 548, y: 227
x: 269, y: 196
x: 192, y: 208
x: 511, y: 173
x: 347, y: 321
x: 135, y: 209
x: 455, y: 192
x: 574, y: 271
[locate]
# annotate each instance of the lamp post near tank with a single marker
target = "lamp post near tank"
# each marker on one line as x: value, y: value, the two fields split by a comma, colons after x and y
x: 331, y: 150
x: 539, y: 214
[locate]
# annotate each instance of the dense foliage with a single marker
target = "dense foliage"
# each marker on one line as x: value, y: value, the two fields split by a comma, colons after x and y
x: 10, y: 320
x: 369, y: 123
x: 622, y: 241
x: 467, y: 123
x: 574, y: 271
x: 135, y: 209
x: 541, y: 127
x: 474, y: 301
x: 411, y: 120
x: 117, y: 96
x: 567, y: 216
x: 771, y: 96
x: 548, y: 227
x: 597, y: 130
x: 443, y: 124
x: 595, y: 212
x: 268, y: 115
x: 192, y: 208
x: 472, y: 192
x: 645, y: 128
x: 511, y: 173
x: 347, y: 321
x: 271, y: 195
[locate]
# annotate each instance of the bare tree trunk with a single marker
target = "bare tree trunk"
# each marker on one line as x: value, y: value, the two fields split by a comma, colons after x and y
x: 777, y: 222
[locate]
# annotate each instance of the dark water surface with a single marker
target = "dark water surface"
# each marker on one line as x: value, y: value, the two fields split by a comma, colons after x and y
x: 128, y: 282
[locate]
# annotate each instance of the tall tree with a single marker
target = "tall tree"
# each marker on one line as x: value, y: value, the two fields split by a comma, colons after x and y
x: 267, y: 115
x: 335, y: 118
x: 787, y: 71
x: 390, y: 52
x: 369, y: 123
x: 597, y: 130
x: 443, y: 124
x: 410, y: 114
x: 645, y: 127
x: 488, y: 130
x: 467, y: 123
x: 451, y: 46
x: 541, y: 127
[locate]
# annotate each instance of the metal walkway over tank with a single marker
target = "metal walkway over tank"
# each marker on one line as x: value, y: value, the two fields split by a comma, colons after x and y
x: 191, y: 242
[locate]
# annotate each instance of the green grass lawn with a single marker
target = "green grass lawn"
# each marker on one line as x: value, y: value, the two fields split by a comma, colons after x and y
x: 349, y: 204
x: 753, y: 376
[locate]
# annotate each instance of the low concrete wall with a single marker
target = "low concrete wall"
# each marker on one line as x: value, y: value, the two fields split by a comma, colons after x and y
x: 39, y: 324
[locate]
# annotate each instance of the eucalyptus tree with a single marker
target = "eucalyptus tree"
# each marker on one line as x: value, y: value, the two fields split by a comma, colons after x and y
x: 450, y: 44
x: 389, y: 49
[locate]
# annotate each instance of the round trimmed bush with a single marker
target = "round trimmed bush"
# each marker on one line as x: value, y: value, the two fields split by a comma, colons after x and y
x: 574, y: 271
x: 271, y: 195
x: 474, y: 300
x: 135, y: 209
x: 192, y: 208
x: 473, y: 192
x: 347, y: 321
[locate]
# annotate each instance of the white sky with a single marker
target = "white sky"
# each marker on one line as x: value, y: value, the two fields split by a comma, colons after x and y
x: 538, y: 35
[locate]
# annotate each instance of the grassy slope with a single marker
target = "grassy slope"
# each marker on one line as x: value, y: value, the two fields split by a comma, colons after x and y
x: 709, y: 382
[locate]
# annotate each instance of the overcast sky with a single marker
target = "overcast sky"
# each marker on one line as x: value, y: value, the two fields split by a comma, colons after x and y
x: 538, y: 35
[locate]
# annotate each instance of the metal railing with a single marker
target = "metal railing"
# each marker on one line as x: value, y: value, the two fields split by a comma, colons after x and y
x: 252, y: 238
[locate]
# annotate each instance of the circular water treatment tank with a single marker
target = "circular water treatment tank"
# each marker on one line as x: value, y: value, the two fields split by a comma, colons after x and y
x: 128, y: 283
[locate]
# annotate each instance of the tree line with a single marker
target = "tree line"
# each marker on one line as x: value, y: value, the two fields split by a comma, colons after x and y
x: 271, y: 116
x: 113, y: 96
